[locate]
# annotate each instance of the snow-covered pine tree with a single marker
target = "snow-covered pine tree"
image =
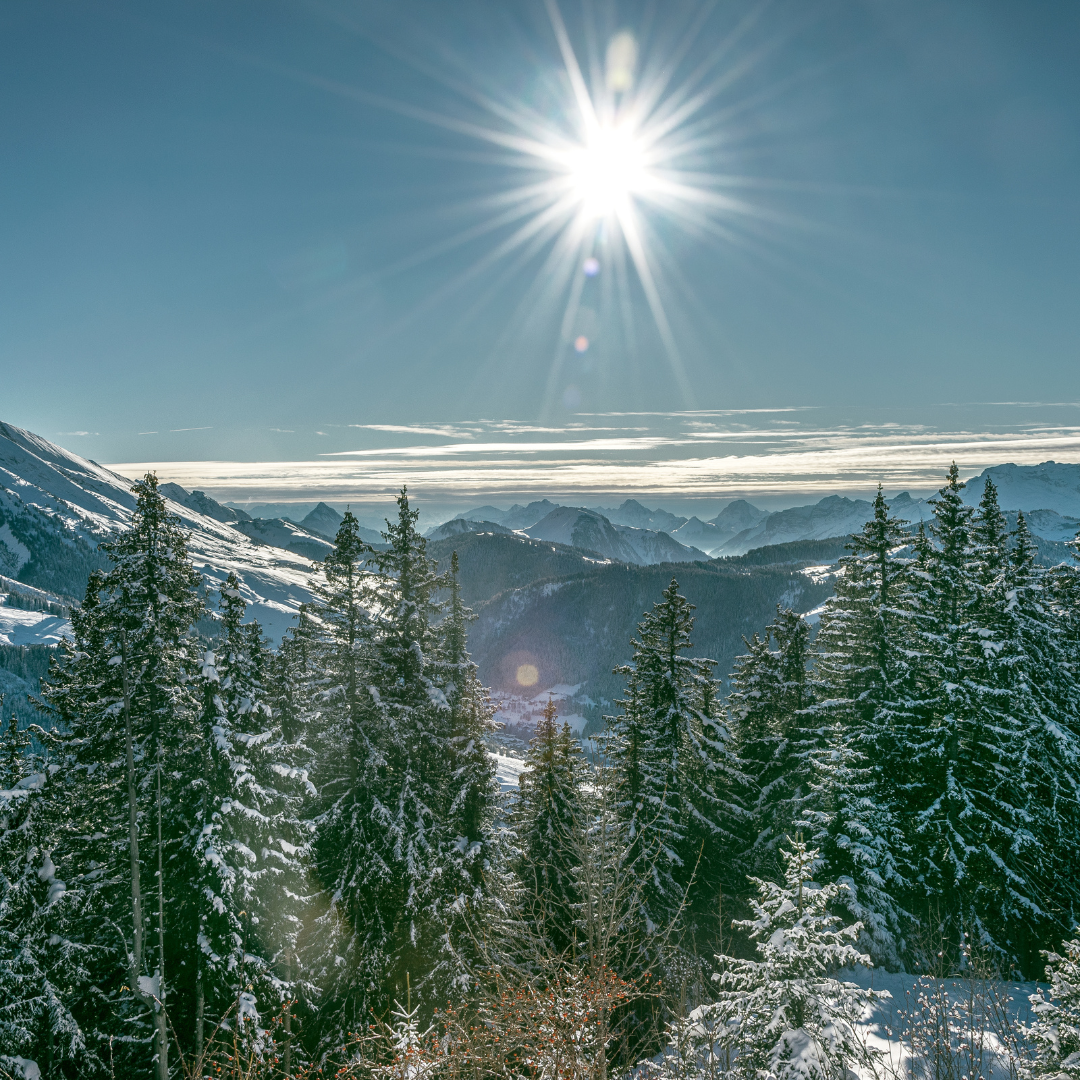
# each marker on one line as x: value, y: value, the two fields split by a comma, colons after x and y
x: 1055, y: 1032
x: 1037, y: 684
x: 550, y: 817
x: 294, y: 678
x: 345, y: 950
x: 786, y: 1015
x: 967, y: 788
x: 470, y: 796
x: 43, y: 965
x: 863, y: 689
x: 124, y: 695
x: 248, y: 840
x: 384, y: 765
x: 675, y: 775
x: 412, y: 711
x: 776, y: 736
x: 44, y: 974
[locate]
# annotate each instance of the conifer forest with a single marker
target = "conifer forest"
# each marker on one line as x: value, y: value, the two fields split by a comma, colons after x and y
x: 223, y: 859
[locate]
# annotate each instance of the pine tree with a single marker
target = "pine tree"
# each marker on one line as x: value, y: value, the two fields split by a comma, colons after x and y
x: 412, y: 711
x: 345, y: 952
x: 862, y: 685
x: 1037, y: 688
x: 1055, y: 1032
x: 43, y: 971
x: 248, y: 841
x: 550, y: 819
x: 969, y: 799
x: 385, y: 765
x: 775, y: 733
x: 674, y: 771
x: 468, y: 851
x: 785, y: 1014
x: 123, y: 693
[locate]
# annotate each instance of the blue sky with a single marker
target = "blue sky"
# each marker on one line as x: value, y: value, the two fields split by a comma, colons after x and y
x: 269, y: 232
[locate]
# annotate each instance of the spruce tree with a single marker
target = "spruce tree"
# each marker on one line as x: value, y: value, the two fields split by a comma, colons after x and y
x: 45, y: 979
x: 468, y: 852
x: 673, y: 769
x: 248, y: 841
x: 1055, y: 1031
x: 385, y: 759
x: 776, y: 735
x: 124, y: 694
x: 969, y: 828
x: 786, y: 1014
x: 863, y: 689
x: 550, y: 819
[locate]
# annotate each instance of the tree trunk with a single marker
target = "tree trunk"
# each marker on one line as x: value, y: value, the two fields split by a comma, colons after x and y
x: 133, y: 827
x: 135, y: 960
x: 288, y: 1016
x: 159, y: 1017
x: 200, y: 1014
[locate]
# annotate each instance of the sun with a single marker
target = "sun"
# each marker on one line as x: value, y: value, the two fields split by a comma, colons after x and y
x: 608, y: 171
x: 622, y: 156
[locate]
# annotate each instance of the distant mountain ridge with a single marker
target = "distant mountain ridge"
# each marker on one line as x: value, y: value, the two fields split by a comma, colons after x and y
x: 577, y: 527
x: 1048, y: 494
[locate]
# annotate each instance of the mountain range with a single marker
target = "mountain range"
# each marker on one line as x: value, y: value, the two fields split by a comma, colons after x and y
x: 1049, y: 494
x: 555, y: 588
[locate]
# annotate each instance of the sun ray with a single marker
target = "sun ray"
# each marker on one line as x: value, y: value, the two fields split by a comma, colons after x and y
x: 603, y: 173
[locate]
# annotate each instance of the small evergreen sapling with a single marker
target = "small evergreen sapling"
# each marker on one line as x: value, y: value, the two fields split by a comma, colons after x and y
x: 786, y: 1014
x: 1055, y: 1034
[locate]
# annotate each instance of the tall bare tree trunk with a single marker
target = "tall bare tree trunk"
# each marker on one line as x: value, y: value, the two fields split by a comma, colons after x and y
x: 200, y: 1012
x: 288, y: 1014
x: 133, y: 825
x: 135, y: 959
x: 160, y: 1022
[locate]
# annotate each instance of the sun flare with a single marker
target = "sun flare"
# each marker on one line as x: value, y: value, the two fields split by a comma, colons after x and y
x: 608, y: 170
x: 623, y: 155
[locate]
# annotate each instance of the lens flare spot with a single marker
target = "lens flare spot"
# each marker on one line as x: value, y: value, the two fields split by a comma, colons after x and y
x: 621, y: 62
x: 581, y: 343
x: 591, y: 267
x: 527, y: 675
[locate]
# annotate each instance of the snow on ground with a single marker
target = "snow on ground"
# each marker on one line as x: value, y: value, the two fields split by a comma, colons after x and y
x: 19, y: 627
x: 507, y: 770
x: 886, y: 1028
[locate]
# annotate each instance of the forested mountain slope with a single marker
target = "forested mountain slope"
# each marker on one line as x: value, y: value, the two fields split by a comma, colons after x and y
x: 576, y: 628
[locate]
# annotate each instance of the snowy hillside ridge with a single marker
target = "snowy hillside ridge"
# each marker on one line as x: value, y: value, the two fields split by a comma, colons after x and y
x: 49, y: 495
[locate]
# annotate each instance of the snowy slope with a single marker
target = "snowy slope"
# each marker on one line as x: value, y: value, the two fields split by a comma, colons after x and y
x: 48, y: 487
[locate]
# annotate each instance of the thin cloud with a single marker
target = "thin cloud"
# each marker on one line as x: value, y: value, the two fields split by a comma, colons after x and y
x: 646, y: 443
x: 445, y: 430
x: 762, y: 462
x: 173, y: 431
